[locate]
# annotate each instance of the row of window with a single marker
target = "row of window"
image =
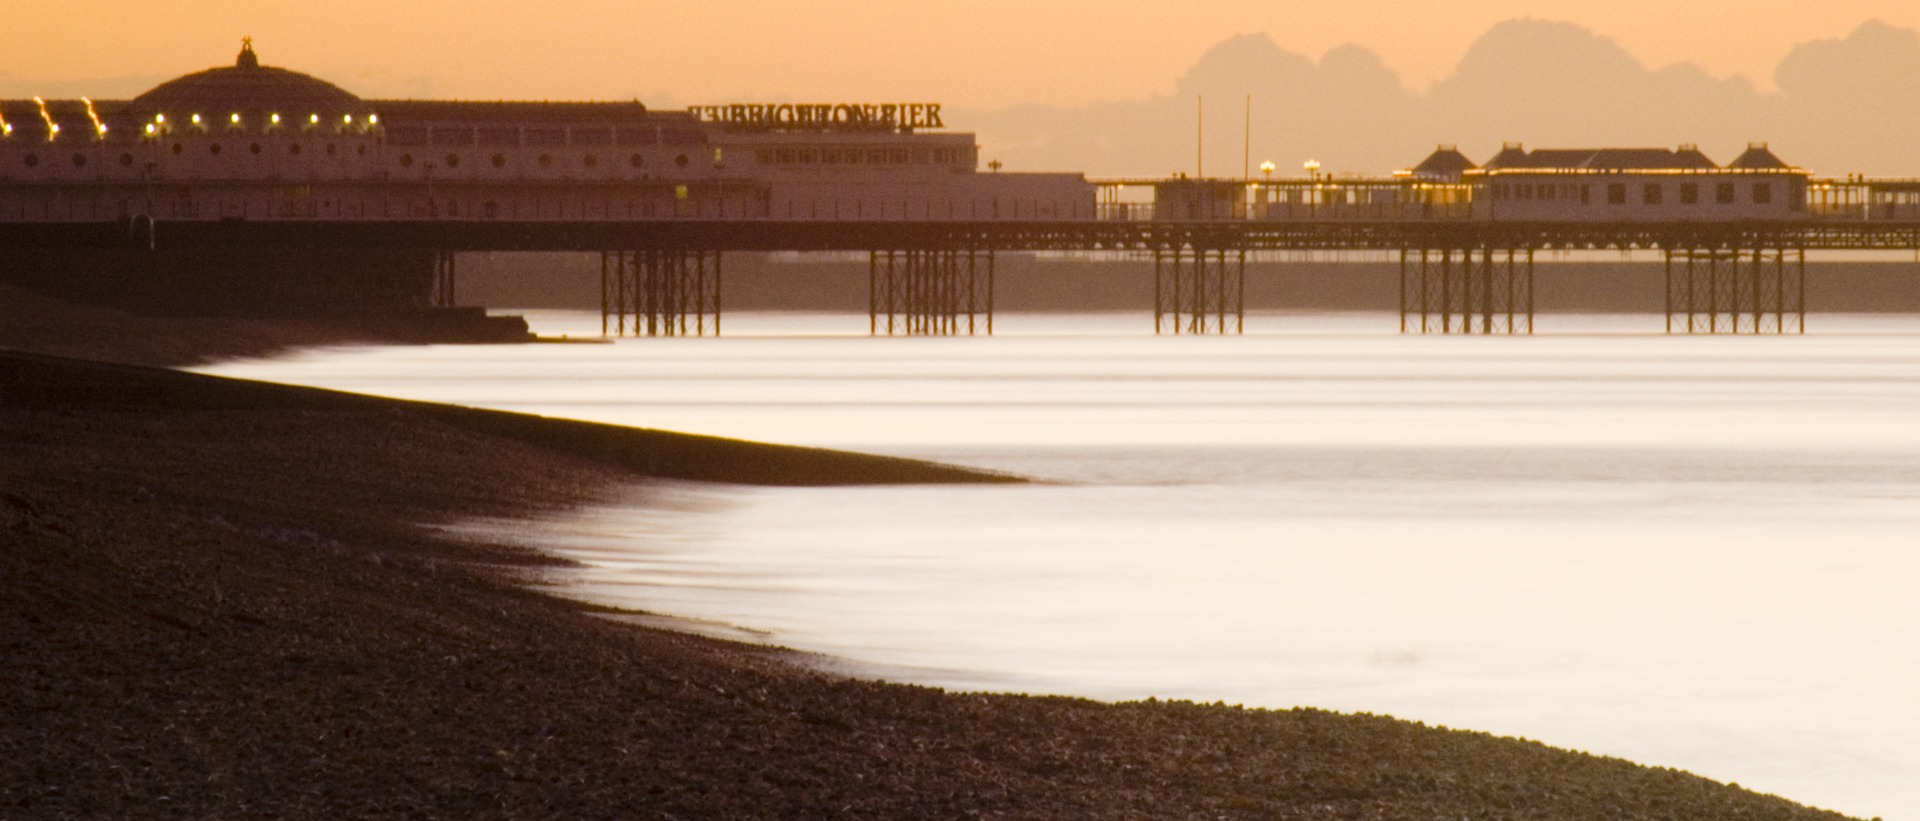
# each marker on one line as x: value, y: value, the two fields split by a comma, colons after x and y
x: 1541, y: 191
x: 855, y: 156
x: 538, y: 136
x: 80, y: 160
x: 546, y: 161
x: 36, y: 132
x: 685, y: 201
x: 1723, y: 193
x: 32, y: 159
x: 1652, y: 193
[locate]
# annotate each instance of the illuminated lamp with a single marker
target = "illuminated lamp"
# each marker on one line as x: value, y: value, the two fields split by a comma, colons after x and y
x: 313, y: 119
x: 235, y: 119
x: 53, y: 128
x: 196, y: 119
x: 275, y: 119
x: 159, y: 118
x: 373, y: 119
x: 150, y: 128
x: 99, y: 128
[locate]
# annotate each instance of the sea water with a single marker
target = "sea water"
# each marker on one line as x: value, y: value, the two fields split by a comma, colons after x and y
x: 1697, y: 552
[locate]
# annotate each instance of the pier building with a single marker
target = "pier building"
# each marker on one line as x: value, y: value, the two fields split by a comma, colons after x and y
x: 255, y: 142
x: 248, y: 187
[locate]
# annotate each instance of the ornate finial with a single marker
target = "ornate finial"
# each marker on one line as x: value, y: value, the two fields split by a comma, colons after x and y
x: 247, y: 57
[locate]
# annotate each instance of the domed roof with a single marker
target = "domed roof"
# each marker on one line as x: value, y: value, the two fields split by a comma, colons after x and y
x: 246, y: 86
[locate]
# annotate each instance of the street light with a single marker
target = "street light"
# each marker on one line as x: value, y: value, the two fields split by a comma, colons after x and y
x: 1266, y: 193
x: 1313, y: 194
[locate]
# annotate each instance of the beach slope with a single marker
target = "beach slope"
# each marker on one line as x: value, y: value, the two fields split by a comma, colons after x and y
x: 222, y: 599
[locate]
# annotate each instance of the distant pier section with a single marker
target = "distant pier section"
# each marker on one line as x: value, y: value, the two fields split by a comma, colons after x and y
x: 261, y: 188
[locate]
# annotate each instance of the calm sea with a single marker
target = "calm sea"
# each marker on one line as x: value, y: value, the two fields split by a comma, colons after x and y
x: 1697, y: 552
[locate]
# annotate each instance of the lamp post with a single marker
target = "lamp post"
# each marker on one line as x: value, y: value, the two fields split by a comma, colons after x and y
x: 1313, y: 193
x: 1266, y: 190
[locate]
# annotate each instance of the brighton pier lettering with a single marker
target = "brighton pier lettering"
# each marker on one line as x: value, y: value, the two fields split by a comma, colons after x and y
x: 840, y: 116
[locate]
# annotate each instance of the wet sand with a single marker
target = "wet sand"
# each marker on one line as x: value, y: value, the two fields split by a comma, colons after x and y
x: 221, y: 598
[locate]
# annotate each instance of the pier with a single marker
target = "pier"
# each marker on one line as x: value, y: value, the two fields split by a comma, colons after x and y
x: 937, y: 277
x: 257, y: 188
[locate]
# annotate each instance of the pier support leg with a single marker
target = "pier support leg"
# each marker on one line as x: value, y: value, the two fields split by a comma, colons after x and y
x: 1199, y: 290
x: 1736, y: 291
x: 665, y: 292
x: 928, y: 292
x: 443, y: 279
x: 1479, y: 292
x: 1405, y: 302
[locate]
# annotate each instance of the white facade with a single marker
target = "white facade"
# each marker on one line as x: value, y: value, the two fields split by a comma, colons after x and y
x: 1721, y: 195
x: 258, y: 143
x: 221, y: 144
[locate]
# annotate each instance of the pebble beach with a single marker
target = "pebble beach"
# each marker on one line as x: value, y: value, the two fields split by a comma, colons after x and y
x: 229, y: 599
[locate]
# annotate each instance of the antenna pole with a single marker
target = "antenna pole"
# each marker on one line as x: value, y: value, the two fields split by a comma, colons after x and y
x: 1246, y: 146
x: 1199, y: 137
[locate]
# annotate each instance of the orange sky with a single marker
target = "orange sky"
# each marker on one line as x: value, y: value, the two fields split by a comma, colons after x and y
x: 984, y: 53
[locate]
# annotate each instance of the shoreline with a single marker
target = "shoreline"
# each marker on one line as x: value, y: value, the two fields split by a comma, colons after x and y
x: 228, y: 594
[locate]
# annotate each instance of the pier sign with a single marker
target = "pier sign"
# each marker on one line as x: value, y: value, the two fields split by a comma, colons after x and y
x: 822, y: 116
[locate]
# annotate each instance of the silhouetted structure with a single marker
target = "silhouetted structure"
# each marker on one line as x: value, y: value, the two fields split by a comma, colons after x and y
x: 252, y: 188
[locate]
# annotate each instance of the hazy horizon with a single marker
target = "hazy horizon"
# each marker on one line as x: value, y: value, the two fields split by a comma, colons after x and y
x: 1837, y: 91
x: 1540, y: 83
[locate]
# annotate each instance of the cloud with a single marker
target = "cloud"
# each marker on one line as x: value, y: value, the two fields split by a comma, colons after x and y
x: 1876, y: 57
x: 1840, y: 106
x: 1854, y: 104
x: 1259, y: 101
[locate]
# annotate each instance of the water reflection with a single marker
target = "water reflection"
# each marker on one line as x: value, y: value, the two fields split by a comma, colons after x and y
x: 1687, y: 552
